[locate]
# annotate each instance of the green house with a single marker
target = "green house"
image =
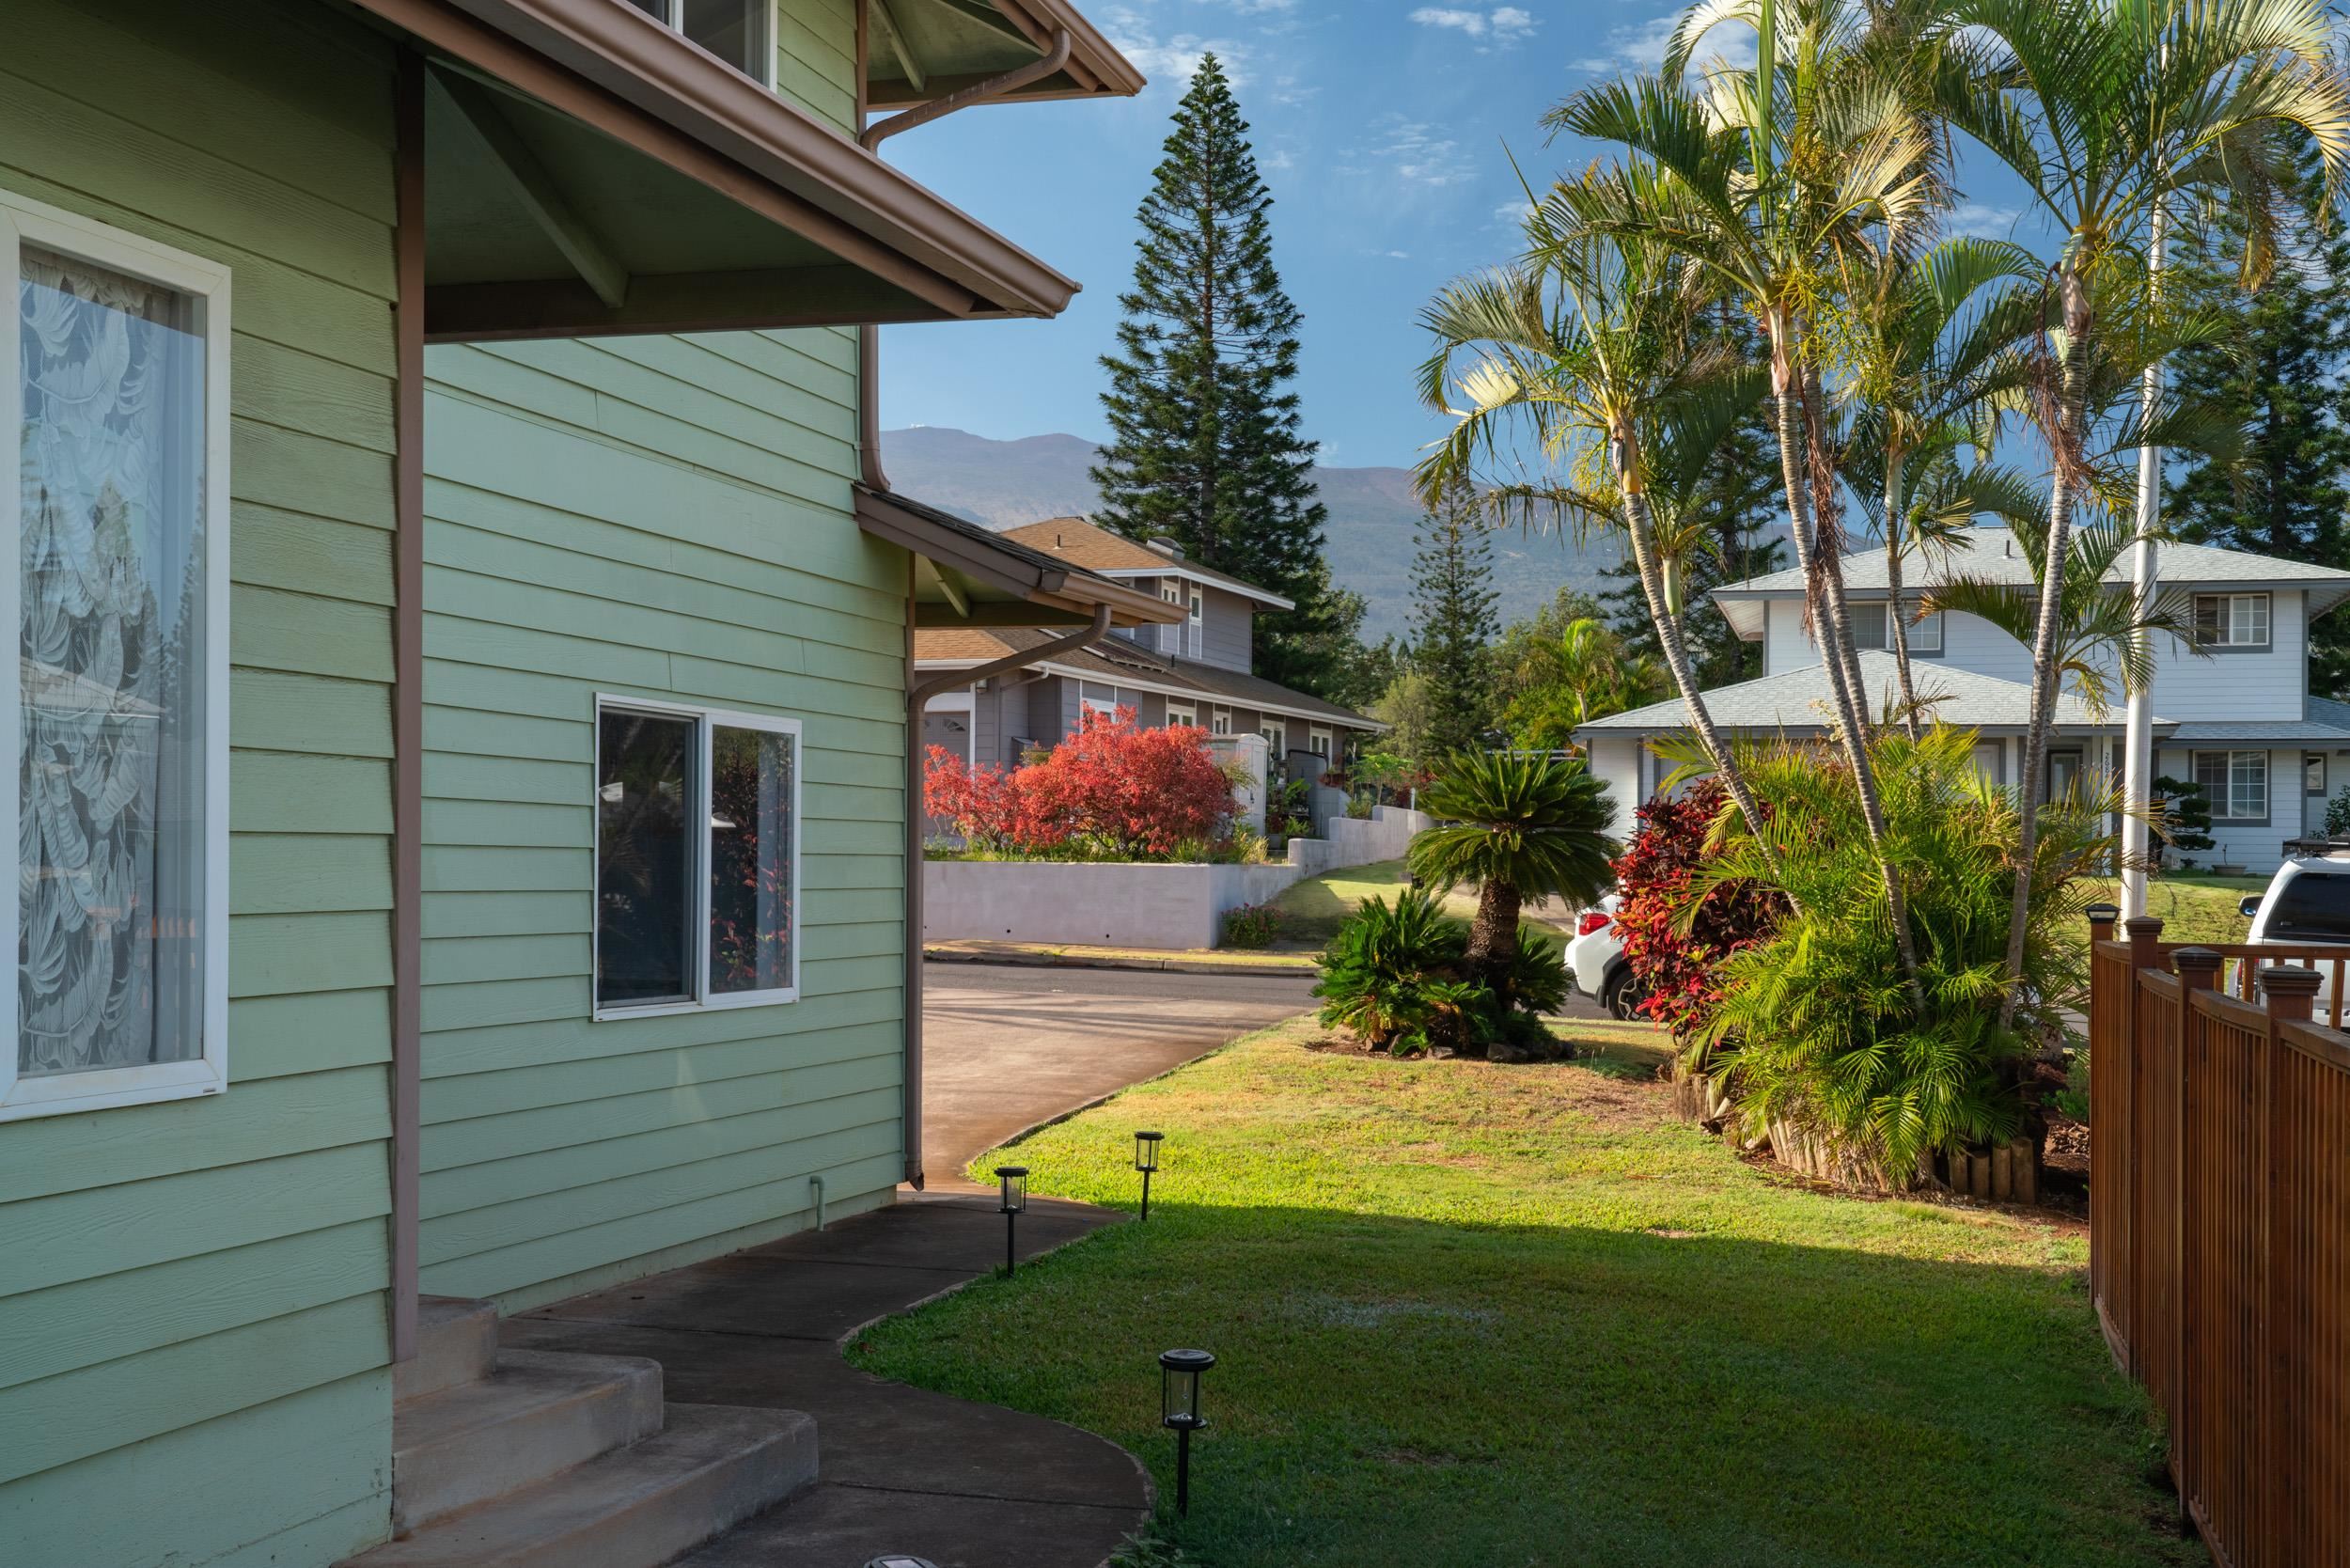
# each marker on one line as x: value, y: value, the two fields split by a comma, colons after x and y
x: 461, y: 695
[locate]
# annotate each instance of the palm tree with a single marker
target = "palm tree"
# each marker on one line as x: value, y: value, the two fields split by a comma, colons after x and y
x: 1520, y: 826
x: 2112, y: 112
x: 1589, y: 348
x: 1758, y: 184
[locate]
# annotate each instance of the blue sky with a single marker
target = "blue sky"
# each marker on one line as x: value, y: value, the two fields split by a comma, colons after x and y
x: 1381, y: 127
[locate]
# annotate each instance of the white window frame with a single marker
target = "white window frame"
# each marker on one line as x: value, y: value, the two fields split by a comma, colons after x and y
x: 2223, y: 809
x: 1277, y: 736
x: 2225, y: 640
x: 1196, y: 626
x: 672, y: 14
x: 1178, y: 713
x: 707, y: 721
x: 1219, y: 720
x: 1317, y: 741
x: 22, y: 222
x: 1088, y: 703
x: 1925, y: 633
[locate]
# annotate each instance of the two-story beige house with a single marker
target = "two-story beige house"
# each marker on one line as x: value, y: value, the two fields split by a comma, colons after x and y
x: 1194, y: 671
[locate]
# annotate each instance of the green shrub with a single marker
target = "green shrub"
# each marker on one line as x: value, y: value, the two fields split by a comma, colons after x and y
x: 1398, y: 978
x: 1251, y: 925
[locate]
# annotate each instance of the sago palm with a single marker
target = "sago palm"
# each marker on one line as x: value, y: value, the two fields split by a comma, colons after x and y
x: 1521, y: 826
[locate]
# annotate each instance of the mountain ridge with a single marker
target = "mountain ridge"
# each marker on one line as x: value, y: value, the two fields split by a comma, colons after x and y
x: 1003, y: 484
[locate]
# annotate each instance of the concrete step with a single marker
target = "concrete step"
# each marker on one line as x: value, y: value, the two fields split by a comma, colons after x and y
x: 538, y: 1415
x: 711, y: 1467
x: 457, y: 1341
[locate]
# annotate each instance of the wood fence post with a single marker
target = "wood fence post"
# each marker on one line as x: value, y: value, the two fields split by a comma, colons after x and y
x: 2144, y: 933
x: 2289, y: 991
x: 2198, y: 967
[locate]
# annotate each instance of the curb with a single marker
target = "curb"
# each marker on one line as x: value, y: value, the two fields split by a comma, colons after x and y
x: 1016, y: 958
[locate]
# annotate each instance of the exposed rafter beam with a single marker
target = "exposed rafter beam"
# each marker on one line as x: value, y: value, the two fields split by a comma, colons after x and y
x: 948, y: 588
x: 899, y: 45
x: 536, y: 189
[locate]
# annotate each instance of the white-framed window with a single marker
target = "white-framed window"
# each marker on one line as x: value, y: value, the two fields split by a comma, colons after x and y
x: 1171, y: 633
x: 1099, y: 699
x: 1275, y: 736
x: 2232, y: 619
x: 1219, y: 721
x: 1318, y: 741
x: 2312, y: 773
x: 737, y: 31
x: 2235, y: 783
x: 698, y: 863
x: 1181, y: 713
x: 1872, y: 628
x: 1196, y: 629
x: 113, y: 495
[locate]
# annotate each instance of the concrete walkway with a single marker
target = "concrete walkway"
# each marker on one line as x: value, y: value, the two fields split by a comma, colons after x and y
x: 899, y: 1469
x: 1007, y: 1048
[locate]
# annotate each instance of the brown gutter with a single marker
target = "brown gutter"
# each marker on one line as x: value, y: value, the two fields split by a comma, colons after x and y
x: 919, y: 697
x: 870, y: 139
x: 614, y: 68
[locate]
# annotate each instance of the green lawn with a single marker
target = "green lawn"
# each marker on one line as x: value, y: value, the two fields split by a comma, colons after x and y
x: 1314, y: 909
x: 2197, y: 908
x: 1472, y: 1315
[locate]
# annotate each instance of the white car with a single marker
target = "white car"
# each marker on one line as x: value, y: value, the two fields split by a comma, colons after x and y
x: 2307, y: 904
x: 1595, y: 959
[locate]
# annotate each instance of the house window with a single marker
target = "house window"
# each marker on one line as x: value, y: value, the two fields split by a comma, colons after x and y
x: 1872, y: 628
x: 2235, y: 783
x: 2312, y: 773
x: 1219, y: 721
x: 1195, y: 630
x: 734, y: 30
x: 114, y: 491
x: 697, y: 873
x: 1098, y: 699
x: 1172, y: 634
x: 2232, y: 619
x: 1275, y: 737
x: 1181, y: 715
x: 1318, y: 741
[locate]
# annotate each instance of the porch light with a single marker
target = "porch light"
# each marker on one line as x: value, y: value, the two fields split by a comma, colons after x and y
x: 1179, y: 1409
x: 1014, y: 1180
x: 1146, y: 1161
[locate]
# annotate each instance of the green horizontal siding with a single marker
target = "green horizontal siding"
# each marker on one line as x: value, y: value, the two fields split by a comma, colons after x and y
x: 666, y: 518
x: 192, y: 1367
x: 816, y: 58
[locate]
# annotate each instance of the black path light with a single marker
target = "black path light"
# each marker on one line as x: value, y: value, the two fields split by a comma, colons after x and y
x: 1146, y: 1161
x: 1014, y: 1180
x: 1179, y: 1408
x: 899, y: 1559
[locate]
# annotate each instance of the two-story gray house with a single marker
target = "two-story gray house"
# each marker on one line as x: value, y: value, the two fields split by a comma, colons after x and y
x: 1194, y: 671
x: 2235, y: 716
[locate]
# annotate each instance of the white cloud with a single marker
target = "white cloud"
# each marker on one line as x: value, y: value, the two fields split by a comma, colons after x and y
x: 1509, y: 214
x: 1414, y: 152
x: 1982, y: 221
x: 1503, y: 25
x: 1278, y: 161
x: 1641, y: 46
x: 1256, y: 7
x: 1174, y: 59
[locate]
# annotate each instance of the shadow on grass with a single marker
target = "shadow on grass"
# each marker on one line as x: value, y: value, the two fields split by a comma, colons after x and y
x: 1424, y: 1394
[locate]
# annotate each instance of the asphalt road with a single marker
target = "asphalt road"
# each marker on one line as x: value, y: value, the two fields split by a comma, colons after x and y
x: 1006, y: 1047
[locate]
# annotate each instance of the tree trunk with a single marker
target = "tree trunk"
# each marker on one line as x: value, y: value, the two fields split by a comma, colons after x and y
x: 1493, y: 943
x: 1639, y: 522
x: 1895, y: 619
x: 2065, y: 442
x: 1835, y: 639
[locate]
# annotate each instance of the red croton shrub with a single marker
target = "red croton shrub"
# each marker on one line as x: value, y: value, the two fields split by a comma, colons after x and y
x: 1113, y: 788
x: 1676, y: 966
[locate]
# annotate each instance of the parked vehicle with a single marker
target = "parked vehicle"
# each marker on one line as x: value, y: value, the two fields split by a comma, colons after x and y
x: 2307, y: 904
x: 1595, y: 957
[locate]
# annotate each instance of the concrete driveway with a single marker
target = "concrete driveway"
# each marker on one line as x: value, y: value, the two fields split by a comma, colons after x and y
x: 1007, y: 1047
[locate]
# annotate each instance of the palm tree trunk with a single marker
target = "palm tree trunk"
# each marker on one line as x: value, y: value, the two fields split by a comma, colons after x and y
x: 1493, y: 943
x: 1895, y: 619
x: 1835, y: 637
x: 2066, y: 440
x: 1641, y: 522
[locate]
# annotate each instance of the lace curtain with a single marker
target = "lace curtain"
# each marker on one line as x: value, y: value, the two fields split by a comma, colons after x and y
x: 109, y: 833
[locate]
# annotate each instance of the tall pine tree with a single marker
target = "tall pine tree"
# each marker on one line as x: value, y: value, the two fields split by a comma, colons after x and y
x: 2282, y: 371
x: 1205, y: 446
x: 1453, y: 599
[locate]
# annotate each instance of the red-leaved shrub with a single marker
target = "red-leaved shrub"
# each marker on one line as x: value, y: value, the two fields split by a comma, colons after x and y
x: 1113, y: 789
x: 1675, y: 966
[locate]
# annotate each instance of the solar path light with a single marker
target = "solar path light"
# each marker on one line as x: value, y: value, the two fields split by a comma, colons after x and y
x: 1146, y: 1161
x: 1015, y: 1181
x: 1179, y: 1409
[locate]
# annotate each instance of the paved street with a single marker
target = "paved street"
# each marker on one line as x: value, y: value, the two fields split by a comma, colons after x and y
x: 1007, y: 1047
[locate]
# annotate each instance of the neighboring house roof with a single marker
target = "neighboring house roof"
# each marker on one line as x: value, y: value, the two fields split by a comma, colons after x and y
x: 1115, y: 661
x: 1798, y: 701
x: 2324, y: 722
x: 1088, y: 544
x: 1990, y: 553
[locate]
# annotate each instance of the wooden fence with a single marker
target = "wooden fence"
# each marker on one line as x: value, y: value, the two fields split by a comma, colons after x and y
x: 2219, y: 1212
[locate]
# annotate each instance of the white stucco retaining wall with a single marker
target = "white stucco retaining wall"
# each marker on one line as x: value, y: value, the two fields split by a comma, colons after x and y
x: 1174, y: 907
